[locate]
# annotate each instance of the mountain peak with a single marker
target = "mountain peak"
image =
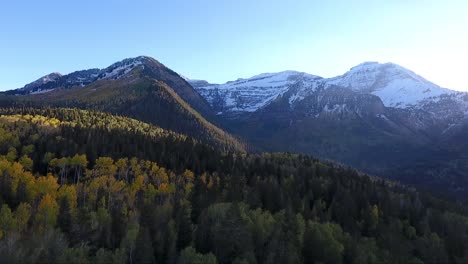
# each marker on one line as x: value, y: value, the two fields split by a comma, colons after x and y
x: 128, y: 64
x: 51, y: 77
x: 377, y: 66
x: 366, y: 64
x: 84, y: 77
x: 388, y: 67
x: 58, y: 74
x: 147, y: 60
x: 395, y: 85
x: 279, y: 75
x: 121, y: 68
x: 250, y: 94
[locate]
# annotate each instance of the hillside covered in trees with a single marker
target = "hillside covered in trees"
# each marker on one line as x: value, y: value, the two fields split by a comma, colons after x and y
x: 90, y: 187
x: 151, y: 93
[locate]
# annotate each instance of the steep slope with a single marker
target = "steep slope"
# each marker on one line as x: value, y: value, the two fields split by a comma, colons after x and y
x: 77, y: 78
x: 151, y: 67
x: 66, y: 131
x: 334, y: 123
x: 141, y: 88
x: 248, y: 95
x: 38, y: 85
x: 394, y: 85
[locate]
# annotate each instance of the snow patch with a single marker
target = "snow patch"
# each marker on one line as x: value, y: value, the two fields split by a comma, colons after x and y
x: 294, y: 98
x: 384, y: 117
x: 39, y: 91
x: 337, y: 108
x: 121, y: 70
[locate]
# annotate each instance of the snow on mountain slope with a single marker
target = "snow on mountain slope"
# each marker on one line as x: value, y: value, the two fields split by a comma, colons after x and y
x: 396, y: 86
x: 42, y: 81
x: 121, y: 68
x: 248, y: 95
x: 80, y: 78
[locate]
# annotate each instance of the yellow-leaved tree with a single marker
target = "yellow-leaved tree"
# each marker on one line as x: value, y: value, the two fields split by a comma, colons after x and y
x: 47, y: 212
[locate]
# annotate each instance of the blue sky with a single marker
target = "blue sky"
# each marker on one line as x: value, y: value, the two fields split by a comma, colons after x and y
x: 224, y: 40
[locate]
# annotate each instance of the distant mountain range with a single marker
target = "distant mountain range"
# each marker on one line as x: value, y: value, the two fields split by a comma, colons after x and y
x: 396, y: 87
x: 380, y: 118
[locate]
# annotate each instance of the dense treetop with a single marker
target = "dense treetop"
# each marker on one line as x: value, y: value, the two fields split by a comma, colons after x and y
x: 80, y: 186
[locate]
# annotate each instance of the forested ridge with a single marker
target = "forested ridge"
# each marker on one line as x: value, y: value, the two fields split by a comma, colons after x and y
x: 89, y: 187
x: 138, y: 96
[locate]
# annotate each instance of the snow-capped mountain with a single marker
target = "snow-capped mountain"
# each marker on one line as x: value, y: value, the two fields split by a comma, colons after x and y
x: 248, y: 95
x: 396, y: 86
x: 81, y: 78
x: 41, y: 81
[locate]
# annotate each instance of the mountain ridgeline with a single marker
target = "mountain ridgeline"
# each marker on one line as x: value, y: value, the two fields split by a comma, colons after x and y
x: 141, y: 88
